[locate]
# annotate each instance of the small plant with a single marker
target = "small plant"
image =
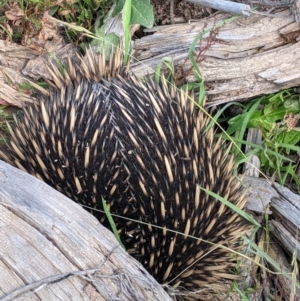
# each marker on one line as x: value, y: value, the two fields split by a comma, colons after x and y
x: 132, y: 12
x: 277, y: 117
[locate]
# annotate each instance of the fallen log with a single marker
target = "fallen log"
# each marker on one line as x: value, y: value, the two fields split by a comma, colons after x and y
x: 52, y: 249
x: 247, y: 57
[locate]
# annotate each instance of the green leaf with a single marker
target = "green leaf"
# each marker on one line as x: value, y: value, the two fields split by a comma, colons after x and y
x: 52, y: 10
x: 260, y: 119
x: 292, y: 104
x: 290, y: 139
x: 142, y: 13
x: 107, y: 42
x: 118, y: 8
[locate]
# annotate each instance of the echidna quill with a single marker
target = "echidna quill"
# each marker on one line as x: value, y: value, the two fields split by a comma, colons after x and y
x: 144, y: 148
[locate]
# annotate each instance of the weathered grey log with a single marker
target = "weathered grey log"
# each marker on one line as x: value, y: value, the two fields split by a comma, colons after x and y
x: 285, y: 285
x: 260, y: 193
x: 250, y: 56
x: 52, y: 249
x: 286, y: 206
x: 286, y: 211
x: 225, y: 6
x: 246, y: 10
x: 287, y: 239
x: 252, y: 166
x: 295, y: 6
x: 282, y: 204
x: 13, y: 59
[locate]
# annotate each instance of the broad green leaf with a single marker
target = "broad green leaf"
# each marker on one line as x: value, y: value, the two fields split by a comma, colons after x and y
x: 292, y: 104
x: 118, y: 8
x: 142, y: 13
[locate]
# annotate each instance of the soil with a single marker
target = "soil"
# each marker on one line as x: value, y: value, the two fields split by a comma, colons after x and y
x: 182, y: 11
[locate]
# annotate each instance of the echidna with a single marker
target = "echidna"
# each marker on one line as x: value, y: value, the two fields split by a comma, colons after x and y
x: 144, y: 148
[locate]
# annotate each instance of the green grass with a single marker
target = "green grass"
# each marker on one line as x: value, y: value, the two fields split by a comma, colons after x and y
x: 276, y: 117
